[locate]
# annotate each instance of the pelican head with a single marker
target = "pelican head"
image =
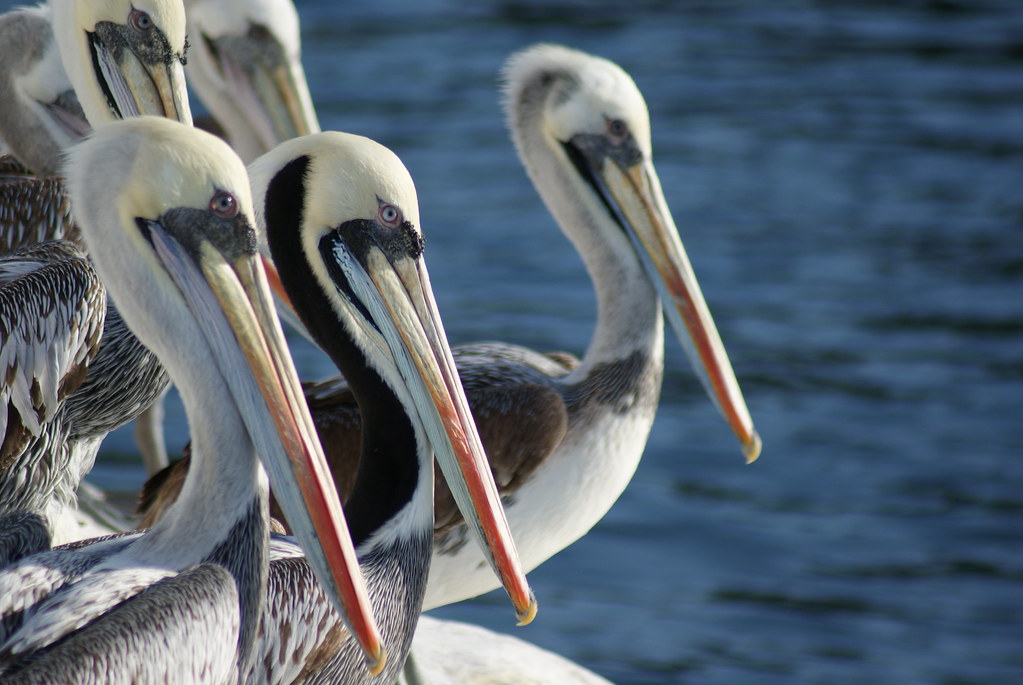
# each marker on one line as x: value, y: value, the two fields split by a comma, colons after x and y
x: 586, y: 118
x: 246, y: 66
x: 356, y: 229
x: 166, y: 213
x: 124, y: 57
x: 41, y: 116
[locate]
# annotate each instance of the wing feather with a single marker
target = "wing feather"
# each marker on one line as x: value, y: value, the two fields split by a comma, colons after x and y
x: 515, y: 398
x: 34, y: 210
x: 181, y: 629
x: 52, y: 309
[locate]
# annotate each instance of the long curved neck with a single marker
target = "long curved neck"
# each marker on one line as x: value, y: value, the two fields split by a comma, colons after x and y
x: 77, y: 61
x: 221, y: 515
x: 395, y: 470
x: 629, y: 318
x: 225, y: 477
x: 25, y: 38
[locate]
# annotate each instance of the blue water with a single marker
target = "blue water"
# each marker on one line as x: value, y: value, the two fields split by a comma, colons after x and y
x: 848, y: 180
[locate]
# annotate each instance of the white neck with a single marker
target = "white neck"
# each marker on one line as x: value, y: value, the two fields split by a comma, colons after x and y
x: 629, y: 315
x: 74, y: 53
x: 225, y: 474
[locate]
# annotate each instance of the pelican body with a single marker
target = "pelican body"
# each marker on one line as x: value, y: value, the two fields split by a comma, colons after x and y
x: 567, y: 435
x: 342, y: 222
x: 564, y: 436
x: 167, y: 215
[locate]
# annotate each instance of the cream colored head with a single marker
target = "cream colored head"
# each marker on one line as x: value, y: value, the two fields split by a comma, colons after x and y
x: 139, y: 47
x: 349, y: 177
x: 311, y: 190
x: 246, y: 66
x: 148, y: 165
x: 138, y: 170
x: 577, y: 92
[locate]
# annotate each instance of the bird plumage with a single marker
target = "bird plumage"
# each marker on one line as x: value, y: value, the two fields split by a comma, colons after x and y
x: 169, y: 224
x: 52, y: 313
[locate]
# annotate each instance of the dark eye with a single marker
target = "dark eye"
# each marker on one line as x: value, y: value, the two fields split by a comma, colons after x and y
x: 140, y: 21
x: 224, y: 205
x: 617, y: 130
x: 389, y: 215
x: 259, y: 33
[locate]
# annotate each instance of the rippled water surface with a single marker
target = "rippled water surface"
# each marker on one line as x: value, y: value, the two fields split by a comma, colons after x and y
x: 848, y: 180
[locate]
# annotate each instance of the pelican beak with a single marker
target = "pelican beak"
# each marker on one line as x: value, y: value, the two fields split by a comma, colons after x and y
x: 268, y: 86
x: 223, y: 282
x: 396, y: 293
x: 285, y: 308
x: 67, y: 114
x: 138, y: 77
x: 629, y: 187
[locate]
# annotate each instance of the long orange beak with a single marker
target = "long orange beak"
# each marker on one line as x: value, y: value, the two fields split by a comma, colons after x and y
x: 636, y: 193
x: 232, y: 294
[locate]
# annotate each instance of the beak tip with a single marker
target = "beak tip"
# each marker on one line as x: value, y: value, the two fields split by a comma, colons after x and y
x: 375, y: 662
x: 526, y: 615
x: 751, y: 450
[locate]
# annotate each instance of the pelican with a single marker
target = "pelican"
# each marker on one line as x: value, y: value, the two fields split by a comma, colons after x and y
x: 245, y: 65
x: 70, y: 64
x: 341, y: 217
x: 122, y: 59
x: 40, y: 116
x: 38, y: 120
x: 564, y: 435
x: 166, y: 212
x: 126, y: 58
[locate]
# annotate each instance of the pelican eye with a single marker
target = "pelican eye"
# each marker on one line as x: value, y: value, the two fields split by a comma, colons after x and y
x: 389, y: 215
x: 140, y: 21
x: 259, y: 33
x: 224, y: 205
x: 617, y: 130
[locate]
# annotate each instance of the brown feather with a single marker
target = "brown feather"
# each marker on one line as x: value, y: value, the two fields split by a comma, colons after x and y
x: 33, y: 210
x: 520, y: 424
